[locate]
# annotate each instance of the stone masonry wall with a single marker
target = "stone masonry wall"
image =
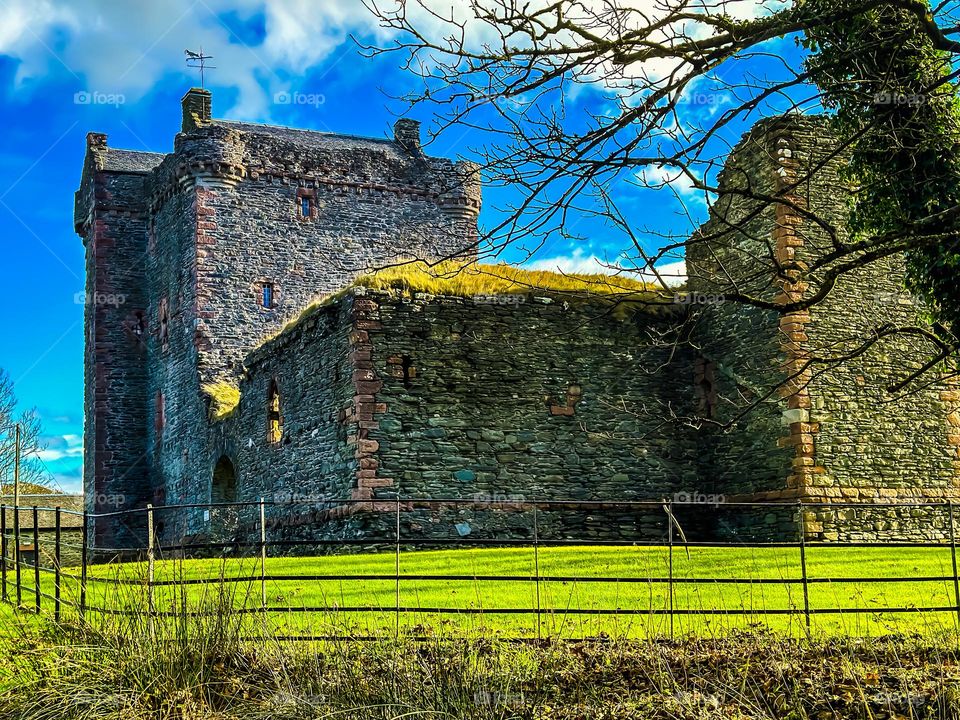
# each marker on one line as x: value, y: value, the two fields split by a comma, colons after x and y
x: 190, y: 239
x: 516, y: 399
x: 383, y: 396
x: 740, y: 345
x: 541, y: 399
x: 111, y: 218
x: 237, y: 224
x: 847, y: 436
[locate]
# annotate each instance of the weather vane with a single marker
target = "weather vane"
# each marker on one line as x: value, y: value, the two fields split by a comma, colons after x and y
x: 198, y: 60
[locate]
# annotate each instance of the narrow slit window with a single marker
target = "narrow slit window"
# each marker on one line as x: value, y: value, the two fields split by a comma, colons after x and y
x: 267, y: 295
x: 274, y: 419
x: 164, y: 323
x: 409, y: 372
x: 306, y: 205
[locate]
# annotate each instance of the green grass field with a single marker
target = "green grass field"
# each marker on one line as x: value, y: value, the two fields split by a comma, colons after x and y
x: 489, y: 580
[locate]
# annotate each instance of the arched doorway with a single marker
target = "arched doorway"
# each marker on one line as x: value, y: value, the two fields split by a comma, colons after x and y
x: 224, y: 486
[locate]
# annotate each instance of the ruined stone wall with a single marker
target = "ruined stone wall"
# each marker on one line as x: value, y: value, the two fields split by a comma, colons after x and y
x: 312, y: 371
x: 844, y: 433
x: 741, y: 360
x: 869, y: 441
x: 538, y: 398
x: 452, y: 398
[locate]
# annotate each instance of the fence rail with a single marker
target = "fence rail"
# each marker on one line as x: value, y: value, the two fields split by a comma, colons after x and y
x: 24, y: 563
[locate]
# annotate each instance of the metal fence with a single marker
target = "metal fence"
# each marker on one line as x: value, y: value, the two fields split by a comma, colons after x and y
x: 35, y: 578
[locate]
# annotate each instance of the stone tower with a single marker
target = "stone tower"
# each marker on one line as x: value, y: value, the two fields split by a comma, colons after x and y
x: 211, y: 248
x: 833, y: 431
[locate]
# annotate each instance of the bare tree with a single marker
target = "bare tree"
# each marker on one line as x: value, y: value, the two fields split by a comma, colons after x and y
x: 32, y: 471
x: 882, y: 70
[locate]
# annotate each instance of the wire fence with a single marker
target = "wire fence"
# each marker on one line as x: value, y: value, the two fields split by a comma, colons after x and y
x: 393, y: 569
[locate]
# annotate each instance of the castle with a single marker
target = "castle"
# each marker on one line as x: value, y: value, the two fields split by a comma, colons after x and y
x: 376, y: 394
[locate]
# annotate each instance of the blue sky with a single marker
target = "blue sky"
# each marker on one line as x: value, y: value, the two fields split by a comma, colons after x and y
x: 68, y: 67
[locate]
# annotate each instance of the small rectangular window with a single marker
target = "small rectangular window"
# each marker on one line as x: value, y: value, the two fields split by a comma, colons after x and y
x: 266, y: 297
x: 305, y: 206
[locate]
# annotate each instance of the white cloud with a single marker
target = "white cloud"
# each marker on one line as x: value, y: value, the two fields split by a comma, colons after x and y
x: 672, y: 273
x: 662, y: 176
x: 119, y: 46
x: 61, y: 447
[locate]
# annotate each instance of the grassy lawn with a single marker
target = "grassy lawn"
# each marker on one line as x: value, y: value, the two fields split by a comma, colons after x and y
x: 491, y: 579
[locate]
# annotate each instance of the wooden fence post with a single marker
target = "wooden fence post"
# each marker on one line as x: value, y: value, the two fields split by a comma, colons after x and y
x: 263, y: 559
x: 84, y: 540
x: 151, y: 559
x: 56, y: 567
x: 670, y: 561
x: 36, y: 559
x: 803, y: 566
x: 536, y: 561
x: 3, y: 551
x: 397, y: 570
x: 953, y: 556
x: 16, y: 552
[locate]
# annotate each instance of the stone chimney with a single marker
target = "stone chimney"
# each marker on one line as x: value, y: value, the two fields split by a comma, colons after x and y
x: 96, y: 141
x: 196, y: 109
x: 406, y: 132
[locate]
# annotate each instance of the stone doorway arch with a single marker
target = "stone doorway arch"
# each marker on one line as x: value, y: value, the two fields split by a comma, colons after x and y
x: 223, y: 488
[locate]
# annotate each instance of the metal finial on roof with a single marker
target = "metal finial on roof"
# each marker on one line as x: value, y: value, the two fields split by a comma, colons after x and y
x: 198, y: 60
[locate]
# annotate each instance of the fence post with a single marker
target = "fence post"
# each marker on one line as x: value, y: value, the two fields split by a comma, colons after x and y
x: 953, y: 556
x: 150, y: 570
x: 803, y: 566
x: 56, y: 567
x: 397, y: 570
x: 3, y: 551
x: 536, y: 560
x: 16, y: 552
x: 85, y: 536
x: 670, y: 561
x: 263, y: 562
x: 36, y: 559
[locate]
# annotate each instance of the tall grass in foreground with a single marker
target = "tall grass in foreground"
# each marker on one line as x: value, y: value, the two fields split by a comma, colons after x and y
x: 198, y: 664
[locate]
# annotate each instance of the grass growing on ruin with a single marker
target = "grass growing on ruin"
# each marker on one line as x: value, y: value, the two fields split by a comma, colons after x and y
x: 570, y: 606
x: 622, y: 293
x: 460, y: 279
x: 224, y: 398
